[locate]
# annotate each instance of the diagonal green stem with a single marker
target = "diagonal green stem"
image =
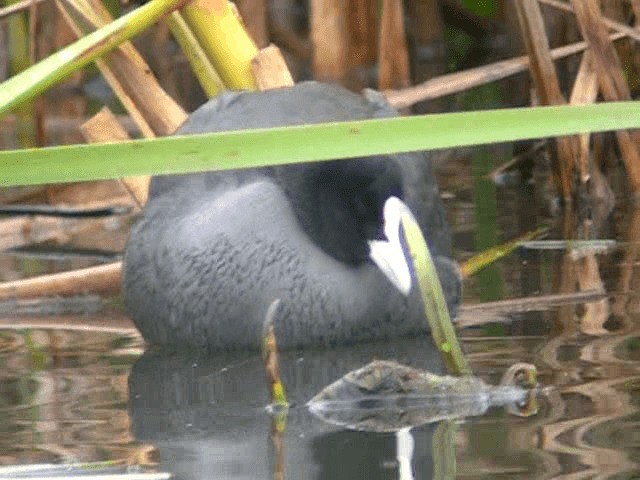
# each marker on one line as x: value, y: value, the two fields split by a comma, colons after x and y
x: 43, y: 75
x: 435, y: 305
x: 200, y: 64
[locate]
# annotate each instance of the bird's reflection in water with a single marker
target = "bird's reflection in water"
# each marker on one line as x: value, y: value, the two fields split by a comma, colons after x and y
x: 207, y: 418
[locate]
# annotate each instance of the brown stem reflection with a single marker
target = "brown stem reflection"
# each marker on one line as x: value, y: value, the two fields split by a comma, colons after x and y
x: 591, y: 362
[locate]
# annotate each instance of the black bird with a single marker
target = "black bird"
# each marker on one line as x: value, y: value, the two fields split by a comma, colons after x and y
x: 214, y: 250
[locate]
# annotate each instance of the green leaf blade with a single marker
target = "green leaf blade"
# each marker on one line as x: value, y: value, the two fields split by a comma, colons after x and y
x: 278, y: 146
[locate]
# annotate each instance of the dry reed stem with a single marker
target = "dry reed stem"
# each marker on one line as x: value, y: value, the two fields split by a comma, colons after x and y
x: 21, y: 231
x: 103, y: 193
x: 612, y: 24
x: 585, y: 90
x: 103, y: 279
x: 547, y: 86
x: 104, y: 127
x: 330, y: 39
x: 428, y: 43
x: 363, y: 41
x: 537, y: 44
x: 393, y: 56
x: 270, y: 70
x: 17, y: 194
x: 66, y: 8
x: 612, y: 82
x: 474, y: 77
x: 155, y: 112
x: 119, y: 325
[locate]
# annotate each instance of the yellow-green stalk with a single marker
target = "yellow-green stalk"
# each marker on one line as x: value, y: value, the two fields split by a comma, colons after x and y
x: 491, y: 255
x: 18, y: 49
x: 200, y: 64
x: 225, y: 41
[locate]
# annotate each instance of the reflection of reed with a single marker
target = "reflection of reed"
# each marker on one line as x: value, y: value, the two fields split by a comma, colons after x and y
x: 572, y: 436
x: 64, y: 396
x: 277, y: 443
x: 580, y: 438
x: 495, y: 445
x: 596, y: 312
x: 584, y: 358
x: 576, y: 273
x: 588, y: 369
x: 629, y: 282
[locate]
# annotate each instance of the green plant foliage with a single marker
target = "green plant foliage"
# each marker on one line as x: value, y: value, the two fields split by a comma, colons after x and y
x: 486, y: 8
x: 435, y: 306
x: 277, y: 146
x: 43, y: 75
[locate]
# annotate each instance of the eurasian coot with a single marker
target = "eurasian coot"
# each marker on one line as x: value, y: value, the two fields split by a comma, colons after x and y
x: 213, y: 250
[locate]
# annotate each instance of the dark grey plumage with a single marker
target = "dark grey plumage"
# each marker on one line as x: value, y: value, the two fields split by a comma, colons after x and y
x: 213, y: 250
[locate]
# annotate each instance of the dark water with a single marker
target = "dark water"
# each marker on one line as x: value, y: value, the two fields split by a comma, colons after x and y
x: 79, y: 389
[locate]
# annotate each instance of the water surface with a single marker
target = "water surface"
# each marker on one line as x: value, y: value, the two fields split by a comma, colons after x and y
x: 78, y: 387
